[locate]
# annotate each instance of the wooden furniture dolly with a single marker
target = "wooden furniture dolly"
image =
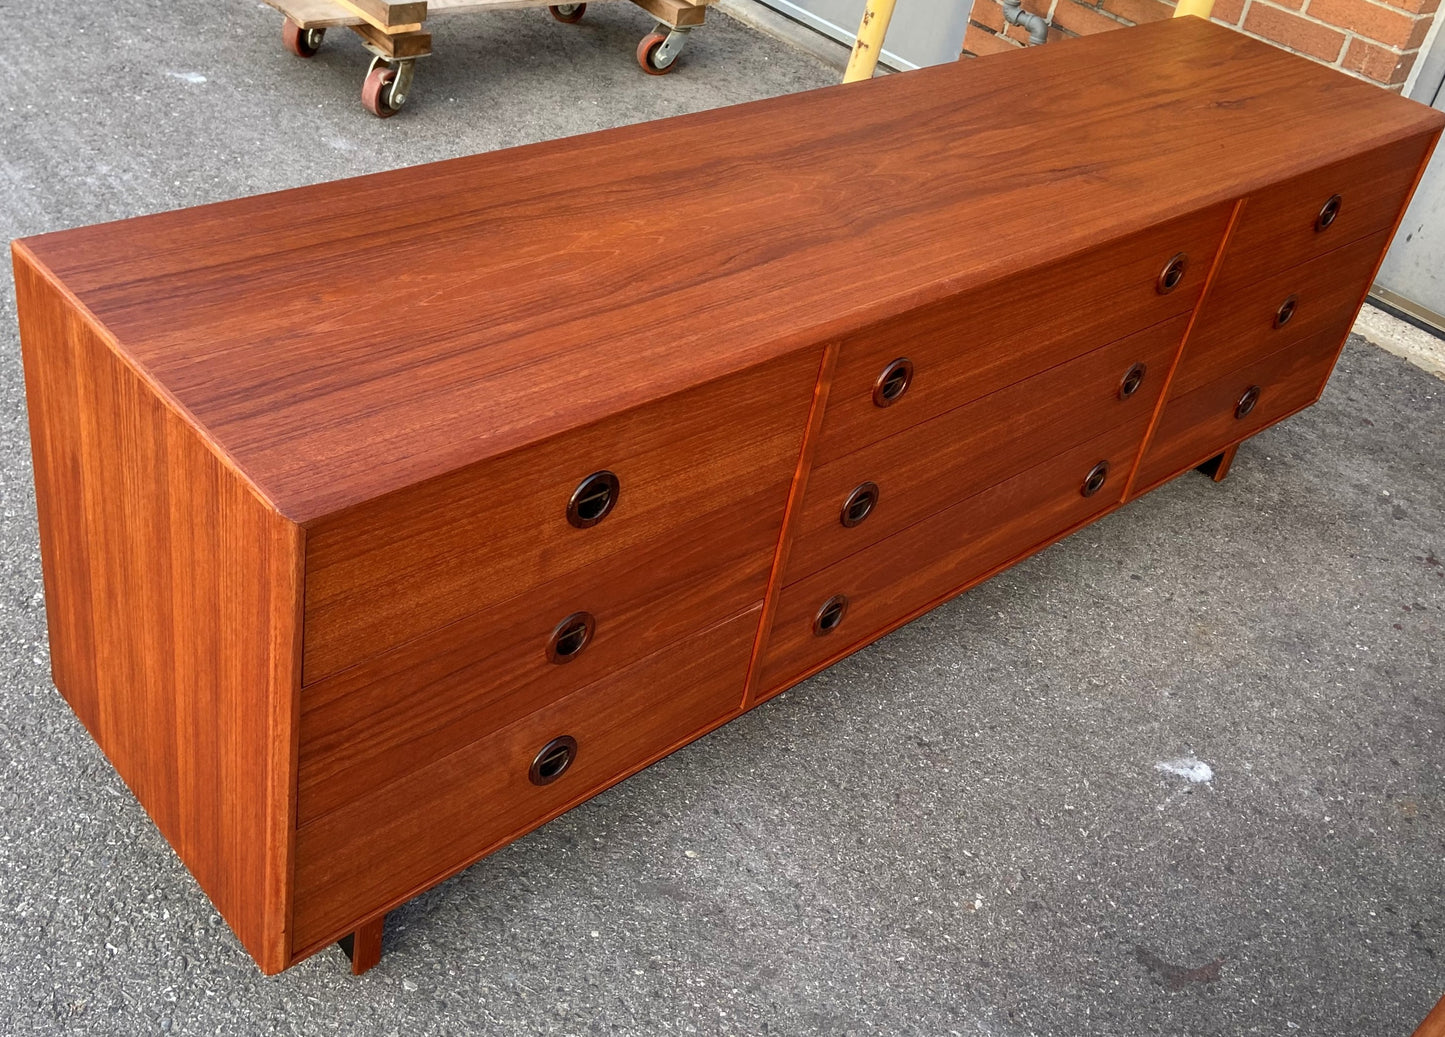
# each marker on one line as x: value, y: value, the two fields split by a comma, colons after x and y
x: 352, y: 602
x: 394, y: 31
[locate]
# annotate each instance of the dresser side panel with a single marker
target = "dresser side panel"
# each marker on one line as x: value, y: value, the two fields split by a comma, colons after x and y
x: 172, y: 594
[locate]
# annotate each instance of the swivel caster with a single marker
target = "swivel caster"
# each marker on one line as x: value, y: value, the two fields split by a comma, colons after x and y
x: 304, y: 43
x: 386, y: 86
x: 658, y: 51
x: 571, y: 14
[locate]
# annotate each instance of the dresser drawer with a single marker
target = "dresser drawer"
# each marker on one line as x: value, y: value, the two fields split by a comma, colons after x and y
x: 379, y: 576
x: 1245, y: 318
x: 381, y: 848
x: 985, y: 339
x: 391, y: 715
x: 913, y: 570
x: 1199, y: 424
x: 1291, y: 222
x: 928, y: 467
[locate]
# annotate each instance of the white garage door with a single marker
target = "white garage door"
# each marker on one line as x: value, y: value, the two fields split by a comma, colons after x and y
x: 1413, y: 276
x: 923, y: 32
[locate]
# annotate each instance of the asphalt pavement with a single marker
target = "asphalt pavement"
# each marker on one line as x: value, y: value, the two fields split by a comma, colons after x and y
x: 1181, y: 773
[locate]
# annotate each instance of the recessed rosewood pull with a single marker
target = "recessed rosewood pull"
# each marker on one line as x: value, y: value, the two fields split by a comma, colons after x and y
x: 570, y: 636
x: 830, y: 615
x: 1328, y: 213
x: 593, y: 499
x: 1172, y: 273
x: 1094, y: 481
x: 1286, y: 311
x: 859, y: 504
x: 553, y: 760
x: 1247, y: 401
x: 1133, y: 378
x: 893, y: 382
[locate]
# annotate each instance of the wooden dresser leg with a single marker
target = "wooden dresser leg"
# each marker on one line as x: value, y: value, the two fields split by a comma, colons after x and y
x: 1218, y: 467
x: 363, y: 947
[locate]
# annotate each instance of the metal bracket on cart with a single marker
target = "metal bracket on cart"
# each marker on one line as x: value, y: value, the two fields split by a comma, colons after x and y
x: 387, y: 83
x: 658, y: 51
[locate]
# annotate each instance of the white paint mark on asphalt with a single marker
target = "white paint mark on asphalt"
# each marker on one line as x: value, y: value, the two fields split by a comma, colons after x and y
x: 1187, y: 767
x: 194, y: 78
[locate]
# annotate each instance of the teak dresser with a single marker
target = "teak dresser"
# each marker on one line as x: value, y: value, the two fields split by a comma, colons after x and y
x: 366, y: 553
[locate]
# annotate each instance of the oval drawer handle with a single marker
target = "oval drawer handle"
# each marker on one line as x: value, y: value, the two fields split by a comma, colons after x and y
x: 593, y: 499
x: 1094, y: 481
x: 1133, y: 378
x: 1247, y: 402
x: 1329, y: 212
x: 1172, y: 274
x: 552, y: 760
x: 893, y: 382
x: 860, y: 504
x: 1285, y: 313
x: 830, y: 614
x: 570, y: 636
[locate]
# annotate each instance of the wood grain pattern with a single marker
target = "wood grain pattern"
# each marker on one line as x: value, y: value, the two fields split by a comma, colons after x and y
x: 363, y: 946
x: 393, y: 44
x: 379, y: 576
x: 1202, y: 423
x: 1237, y: 322
x: 940, y: 556
x: 676, y: 12
x: 1277, y: 228
x: 395, y: 15
x: 984, y: 339
x: 386, y: 718
x: 1210, y: 278
x: 303, y: 498
x: 173, y: 596
x: 316, y: 14
x: 791, y: 515
x: 380, y: 850
x: 936, y: 464
x: 529, y: 290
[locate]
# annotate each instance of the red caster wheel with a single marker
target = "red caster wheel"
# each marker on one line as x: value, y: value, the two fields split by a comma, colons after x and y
x: 376, y: 91
x: 571, y: 14
x: 655, y: 61
x: 304, y: 43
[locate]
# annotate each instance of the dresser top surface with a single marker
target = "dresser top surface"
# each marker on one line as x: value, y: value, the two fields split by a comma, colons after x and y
x: 346, y: 340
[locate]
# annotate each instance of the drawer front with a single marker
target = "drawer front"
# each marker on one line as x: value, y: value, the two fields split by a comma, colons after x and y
x: 418, y: 560
x: 985, y: 339
x: 1199, y: 424
x: 936, y: 558
x: 1288, y: 223
x: 382, y: 848
x: 376, y: 722
x: 927, y: 468
x: 1250, y: 314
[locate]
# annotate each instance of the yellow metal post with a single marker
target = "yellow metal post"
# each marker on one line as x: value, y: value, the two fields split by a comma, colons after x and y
x: 1200, y: 8
x: 871, y: 31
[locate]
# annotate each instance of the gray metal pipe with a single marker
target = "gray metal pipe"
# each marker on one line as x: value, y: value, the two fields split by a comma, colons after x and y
x: 1014, y: 14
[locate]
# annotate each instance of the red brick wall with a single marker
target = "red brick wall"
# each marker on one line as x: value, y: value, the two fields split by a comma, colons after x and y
x: 1377, y: 40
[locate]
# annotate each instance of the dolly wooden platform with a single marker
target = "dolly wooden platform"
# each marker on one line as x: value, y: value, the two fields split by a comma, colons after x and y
x: 360, y: 562
x: 394, y: 31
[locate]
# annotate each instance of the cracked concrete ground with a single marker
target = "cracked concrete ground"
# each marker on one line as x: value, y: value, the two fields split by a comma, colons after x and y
x: 1181, y: 773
